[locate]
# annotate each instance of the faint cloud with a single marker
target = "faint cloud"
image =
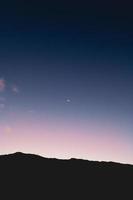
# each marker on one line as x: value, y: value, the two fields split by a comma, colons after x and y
x: 2, y: 106
x: 2, y: 99
x: 8, y: 130
x: 31, y: 111
x: 15, y: 89
x: 2, y: 85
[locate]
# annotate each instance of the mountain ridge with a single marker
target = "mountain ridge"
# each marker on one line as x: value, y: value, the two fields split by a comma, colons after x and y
x: 31, y: 176
x: 21, y: 154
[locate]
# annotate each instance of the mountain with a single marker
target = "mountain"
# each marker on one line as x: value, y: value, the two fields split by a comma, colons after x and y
x: 29, y: 176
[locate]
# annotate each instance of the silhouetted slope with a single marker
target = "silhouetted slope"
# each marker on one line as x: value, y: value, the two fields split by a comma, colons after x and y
x: 28, y: 176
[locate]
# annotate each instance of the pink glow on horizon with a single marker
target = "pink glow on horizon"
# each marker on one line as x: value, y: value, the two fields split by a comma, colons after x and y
x: 93, y: 142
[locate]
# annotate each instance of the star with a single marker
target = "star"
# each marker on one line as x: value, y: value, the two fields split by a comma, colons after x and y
x: 68, y: 100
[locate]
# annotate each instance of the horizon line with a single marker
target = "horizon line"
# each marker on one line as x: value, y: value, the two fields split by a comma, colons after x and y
x: 67, y: 159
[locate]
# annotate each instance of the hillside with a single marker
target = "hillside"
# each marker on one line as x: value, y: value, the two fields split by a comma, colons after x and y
x: 29, y: 176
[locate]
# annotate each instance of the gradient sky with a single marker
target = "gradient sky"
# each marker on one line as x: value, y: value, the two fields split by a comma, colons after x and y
x: 66, y: 79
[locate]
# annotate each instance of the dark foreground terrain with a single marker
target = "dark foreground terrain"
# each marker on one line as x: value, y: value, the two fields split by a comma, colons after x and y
x: 24, y: 176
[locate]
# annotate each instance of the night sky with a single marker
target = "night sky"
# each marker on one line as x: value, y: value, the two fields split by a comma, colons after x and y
x: 66, y: 79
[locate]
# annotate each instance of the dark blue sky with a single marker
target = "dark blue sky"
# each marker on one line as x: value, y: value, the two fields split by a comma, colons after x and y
x: 70, y: 64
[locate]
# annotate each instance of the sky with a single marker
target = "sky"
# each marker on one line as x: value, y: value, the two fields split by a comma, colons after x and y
x: 66, y: 79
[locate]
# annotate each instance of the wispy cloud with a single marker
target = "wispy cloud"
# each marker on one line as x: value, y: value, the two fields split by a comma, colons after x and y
x: 15, y: 89
x: 2, y: 99
x: 2, y: 85
x: 8, y: 129
x: 31, y: 111
x: 2, y: 106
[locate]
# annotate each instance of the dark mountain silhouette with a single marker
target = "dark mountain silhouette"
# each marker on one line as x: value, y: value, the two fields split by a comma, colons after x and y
x: 26, y: 176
